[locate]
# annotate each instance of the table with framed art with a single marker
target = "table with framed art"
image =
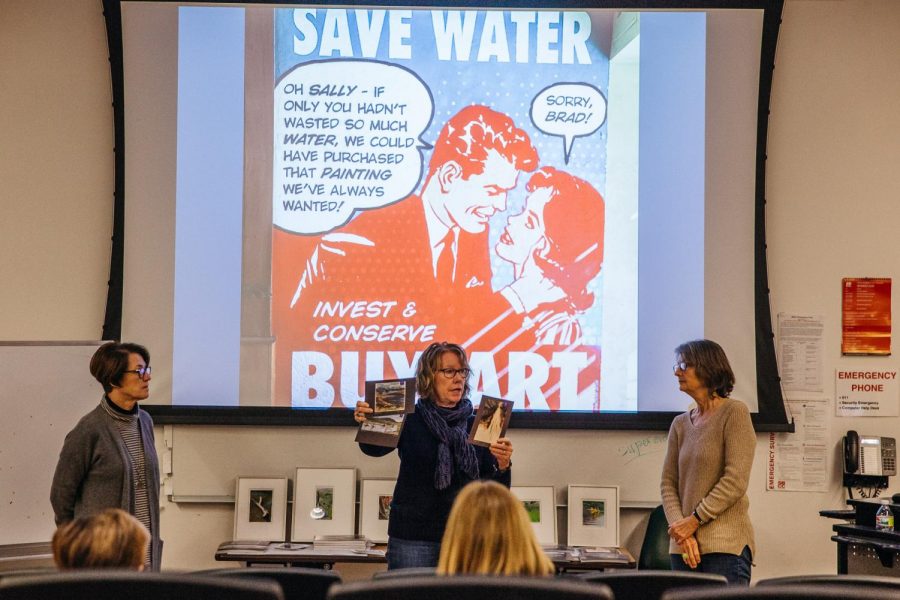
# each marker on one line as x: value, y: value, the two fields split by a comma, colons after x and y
x: 304, y: 555
x: 324, y: 511
x: 296, y: 555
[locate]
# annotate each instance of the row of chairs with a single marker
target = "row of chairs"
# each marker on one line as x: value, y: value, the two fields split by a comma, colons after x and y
x: 316, y: 584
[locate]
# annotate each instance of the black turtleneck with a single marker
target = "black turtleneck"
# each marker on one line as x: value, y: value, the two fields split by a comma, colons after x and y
x: 119, y: 409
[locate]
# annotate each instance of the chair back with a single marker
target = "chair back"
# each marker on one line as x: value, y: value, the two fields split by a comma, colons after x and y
x: 470, y: 587
x: 830, y: 580
x: 407, y: 572
x: 650, y: 585
x: 297, y: 583
x: 108, y: 584
x: 655, y: 547
x: 32, y: 572
x: 786, y: 592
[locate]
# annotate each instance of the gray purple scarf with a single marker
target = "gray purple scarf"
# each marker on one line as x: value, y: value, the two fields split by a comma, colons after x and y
x: 448, y: 425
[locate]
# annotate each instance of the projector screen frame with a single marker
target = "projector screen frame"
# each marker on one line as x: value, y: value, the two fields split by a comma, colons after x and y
x: 772, y: 415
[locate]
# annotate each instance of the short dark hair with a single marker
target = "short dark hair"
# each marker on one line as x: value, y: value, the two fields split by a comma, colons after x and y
x: 710, y: 364
x: 430, y: 362
x: 110, y: 361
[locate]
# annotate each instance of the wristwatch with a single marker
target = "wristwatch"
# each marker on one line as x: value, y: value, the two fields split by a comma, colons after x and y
x: 697, y: 516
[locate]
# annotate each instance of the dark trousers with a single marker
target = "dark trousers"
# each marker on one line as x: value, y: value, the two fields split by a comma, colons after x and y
x: 736, y: 569
x: 403, y: 554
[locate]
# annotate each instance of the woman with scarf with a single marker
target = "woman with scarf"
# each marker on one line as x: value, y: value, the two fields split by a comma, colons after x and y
x: 436, y: 461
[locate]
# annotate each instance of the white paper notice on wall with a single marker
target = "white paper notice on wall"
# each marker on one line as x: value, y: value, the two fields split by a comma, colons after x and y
x: 866, y: 393
x: 800, y: 351
x: 798, y: 462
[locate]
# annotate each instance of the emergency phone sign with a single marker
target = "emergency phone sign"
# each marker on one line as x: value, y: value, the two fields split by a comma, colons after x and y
x: 866, y: 393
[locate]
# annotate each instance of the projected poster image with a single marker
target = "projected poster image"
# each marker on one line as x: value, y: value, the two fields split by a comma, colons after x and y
x: 530, y: 184
x: 442, y: 175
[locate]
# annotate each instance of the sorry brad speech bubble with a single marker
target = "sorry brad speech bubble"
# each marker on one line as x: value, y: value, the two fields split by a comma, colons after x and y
x: 347, y: 137
x: 569, y: 110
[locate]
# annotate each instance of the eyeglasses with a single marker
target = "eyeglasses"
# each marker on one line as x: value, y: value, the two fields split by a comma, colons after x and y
x: 681, y: 366
x: 142, y: 372
x: 451, y: 373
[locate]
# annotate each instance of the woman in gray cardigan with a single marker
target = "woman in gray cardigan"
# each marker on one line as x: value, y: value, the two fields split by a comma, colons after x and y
x: 109, y: 460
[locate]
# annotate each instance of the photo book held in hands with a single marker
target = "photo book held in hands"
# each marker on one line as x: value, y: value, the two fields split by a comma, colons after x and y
x: 491, y: 421
x: 390, y: 400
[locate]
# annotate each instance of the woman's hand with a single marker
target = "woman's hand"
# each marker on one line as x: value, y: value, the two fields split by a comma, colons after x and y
x: 690, y: 552
x: 683, y: 529
x: 362, y: 409
x: 502, y: 450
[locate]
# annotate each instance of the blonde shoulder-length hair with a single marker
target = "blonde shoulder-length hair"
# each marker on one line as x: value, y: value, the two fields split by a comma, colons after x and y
x: 488, y: 533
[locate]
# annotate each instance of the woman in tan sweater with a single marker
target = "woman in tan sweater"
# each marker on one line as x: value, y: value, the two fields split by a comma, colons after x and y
x: 707, y: 469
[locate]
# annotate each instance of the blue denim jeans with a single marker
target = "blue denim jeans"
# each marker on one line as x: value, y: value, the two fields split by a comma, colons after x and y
x: 403, y: 554
x: 736, y: 569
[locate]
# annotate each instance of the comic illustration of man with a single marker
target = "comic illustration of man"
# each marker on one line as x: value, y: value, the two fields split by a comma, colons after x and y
x: 475, y: 162
x: 424, y: 260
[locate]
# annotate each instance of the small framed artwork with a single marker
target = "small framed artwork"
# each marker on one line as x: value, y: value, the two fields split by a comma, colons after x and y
x: 540, y: 504
x: 593, y: 515
x: 375, y: 508
x: 491, y: 421
x: 324, y: 503
x: 260, y: 508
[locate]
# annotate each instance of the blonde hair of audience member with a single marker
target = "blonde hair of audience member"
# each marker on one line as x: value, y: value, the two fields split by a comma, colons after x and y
x: 489, y: 533
x: 109, y: 539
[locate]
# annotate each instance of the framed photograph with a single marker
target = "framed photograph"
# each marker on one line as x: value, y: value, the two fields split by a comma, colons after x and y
x: 324, y: 503
x: 391, y: 400
x: 260, y: 508
x: 593, y: 515
x: 491, y: 421
x: 375, y: 508
x: 540, y: 504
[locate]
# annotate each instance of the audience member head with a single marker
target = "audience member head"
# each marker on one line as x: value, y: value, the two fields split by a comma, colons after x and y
x: 110, y: 539
x: 489, y: 533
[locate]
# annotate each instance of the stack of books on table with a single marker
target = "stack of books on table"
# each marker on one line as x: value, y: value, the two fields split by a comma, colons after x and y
x: 556, y: 552
x: 587, y: 555
x: 243, y: 545
x: 354, y: 543
x: 584, y: 555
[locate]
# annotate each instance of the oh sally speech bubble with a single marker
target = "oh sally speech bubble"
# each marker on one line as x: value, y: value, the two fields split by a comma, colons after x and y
x: 347, y: 138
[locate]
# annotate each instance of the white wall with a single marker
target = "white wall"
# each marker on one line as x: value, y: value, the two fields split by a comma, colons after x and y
x: 832, y: 212
x: 56, y: 169
x: 834, y: 151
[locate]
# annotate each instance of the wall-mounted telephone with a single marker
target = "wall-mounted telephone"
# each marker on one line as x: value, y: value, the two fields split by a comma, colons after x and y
x: 869, y: 455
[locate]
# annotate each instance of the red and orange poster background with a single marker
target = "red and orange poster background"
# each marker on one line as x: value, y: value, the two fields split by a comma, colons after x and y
x: 866, y: 321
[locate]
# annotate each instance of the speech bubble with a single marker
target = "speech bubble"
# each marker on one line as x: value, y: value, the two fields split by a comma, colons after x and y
x: 569, y: 110
x: 347, y: 138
